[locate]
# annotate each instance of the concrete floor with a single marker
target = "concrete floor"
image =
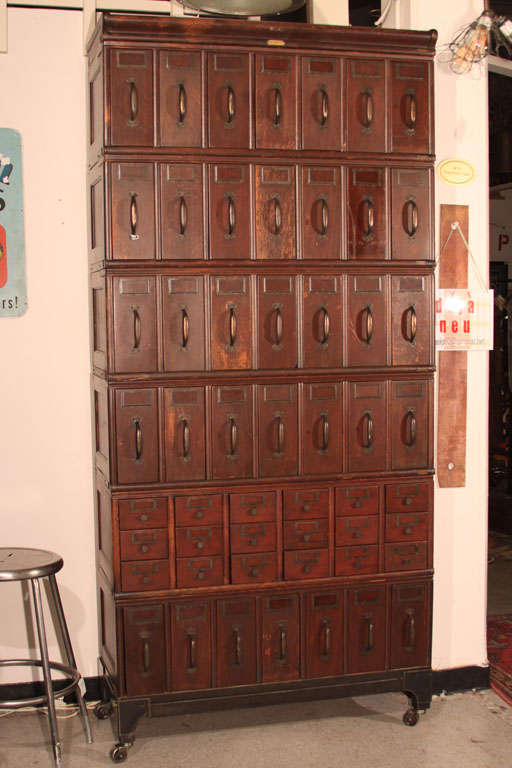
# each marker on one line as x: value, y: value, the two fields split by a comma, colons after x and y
x: 469, y: 730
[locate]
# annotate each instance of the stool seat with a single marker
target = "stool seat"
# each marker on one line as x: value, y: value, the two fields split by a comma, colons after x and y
x: 19, y: 563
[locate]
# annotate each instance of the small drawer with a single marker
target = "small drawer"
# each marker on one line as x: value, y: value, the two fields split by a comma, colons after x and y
x: 257, y: 507
x: 253, y: 537
x: 353, y: 560
x: 144, y: 545
x: 306, y: 534
x: 408, y: 526
x: 306, y: 505
x: 360, y: 500
x: 363, y: 529
x: 204, y: 540
x: 311, y: 564
x: 142, y: 513
x: 405, y: 557
x: 248, y: 569
x: 200, y: 571
x: 141, y: 576
x: 198, y: 510
x: 408, y: 497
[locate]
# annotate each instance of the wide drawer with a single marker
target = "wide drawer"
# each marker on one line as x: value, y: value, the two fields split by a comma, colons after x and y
x: 259, y: 568
x: 306, y: 534
x: 200, y: 571
x: 145, y: 544
x: 363, y: 529
x: 306, y: 504
x: 408, y: 497
x: 357, y: 500
x: 308, y: 564
x: 253, y: 537
x: 353, y: 560
x: 142, y: 513
x: 153, y: 574
x: 405, y: 557
x: 198, y: 510
x: 408, y: 526
x: 253, y: 507
x: 204, y: 540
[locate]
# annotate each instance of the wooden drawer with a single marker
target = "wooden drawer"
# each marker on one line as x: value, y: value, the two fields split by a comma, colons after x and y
x: 306, y: 534
x: 366, y: 650
x: 247, y: 569
x: 353, y: 560
x: 191, y: 647
x: 408, y: 526
x: 145, y: 643
x: 236, y: 641
x: 408, y: 497
x: 280, y: 623
x: 252, y: 507
x: 253, y: 537
x: 308, y: 564
x: 410, y: 625
x: 306, y: 505
x: 153, y: 574
x: 324, y: 633
x: 363, y: 529
x: 145, y: 544
x: 199, y: 540
x: 200, y: 571
x: 198, y: 510
x: 142, y: 513
x: 357, y: 500
x: 405, y: 557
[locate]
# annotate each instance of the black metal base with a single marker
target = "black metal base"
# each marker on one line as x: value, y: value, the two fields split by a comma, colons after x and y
x: 415, y: 684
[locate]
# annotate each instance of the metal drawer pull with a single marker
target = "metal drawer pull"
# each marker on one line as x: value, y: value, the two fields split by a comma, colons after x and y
x: 138, y: 440
x: 233, y: 437
x: 410, y: 324
x: 277, y: 106
x: 231, y: 215
x: 144, y: 548
x: 186, y: 439
x: 368, y: 324
x: 327, y: 639
x: 182, y: 103
x: 280, y: 435
x: 410, y: 218
x: 367, y: 109
x: 283, y: 645
x: 326, y: 326
x: 368, y: 217
x: 371, y: 635
x: 192, y: 652
x: 185, y: 328
x: 136, y: 328
x: 134, y: 102
x: 146, y: 658
x: 278, y: 221
x: 325, y: 218
x: 324, y: 114
x: 325, y: 433
x: 183, y: 215
x: 411, y: 428
x: 238, y: 646
x: 411, y: 632
x: 230, y: 105
x: 278, y: 336
x: 133, y: 217
x: 233, y: 326
x: 254, y: 572
x: 411, y: 111
x: 368, y: 430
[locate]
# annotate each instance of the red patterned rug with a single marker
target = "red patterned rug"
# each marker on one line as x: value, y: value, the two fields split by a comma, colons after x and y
x: 499, y: 651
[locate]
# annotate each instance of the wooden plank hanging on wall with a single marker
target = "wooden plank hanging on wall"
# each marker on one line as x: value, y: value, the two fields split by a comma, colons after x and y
x: 452, y: 366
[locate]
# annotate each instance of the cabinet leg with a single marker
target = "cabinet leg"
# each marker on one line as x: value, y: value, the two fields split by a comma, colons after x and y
x: 128, y: 714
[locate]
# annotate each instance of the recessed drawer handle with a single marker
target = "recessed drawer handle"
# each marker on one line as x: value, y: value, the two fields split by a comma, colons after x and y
x: 411, y: 632
x: 410, y: 428
x: 368, y: 430
x: 410, y: 324
x: 280, y: 435
x: 192, y: 652
x: 133, y: 217
x: 134, y: 101
x: 325, y: 218
x: 233, y: 327
x: 146, y: 656
x: 185, y: 440
x: 254, y: 572
x: 231, y: 215
x: 325, y: 326
x: 410, y: 218
x: 136, y: 328
x: 325, y: 433
x: 368, y: 217
x: 138, y: 440
x: 327, y: 639
x: 230, y: 104
x: 144, y: 548
x: 238, y: 646
x: 185, y: 328
x: 371, y: 636
x: 278, y: 219
x: 283, y: 645
x: 324, y: 113
x: 183, y: 215
x: 277, y: 106
x: 278, y: 331
x: 182, y: 104
x: 367, y: 109
x: 411, y: 111
x: 233, y: 437
x: 368, y: 324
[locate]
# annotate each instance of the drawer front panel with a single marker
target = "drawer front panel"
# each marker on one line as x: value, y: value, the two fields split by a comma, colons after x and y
x: 181, y: 97
x: 145, y: 544
x: 199, y: 541
x: 363, y: 529
x: 367, y: 234
x: 366, y: 105
x: 181, y: 211
x: 278, y: 430
x: 367, y: 636
x: 322, y: 428
x: 253, y: 569
x: 184, y: 435
x: 405, y: 557
x: 253, y: 537
x: 410, y: 214
x: 184, y: 328
x: 230, y: 211
x: 367, y: 331
x: 322, y: 328
x: 367, y: 426
x: 358, y: 559
x: 411, y: 319
x: 198, y: 510
x: 410, y: 401
x: 408, y: 497
x: 321, y: 102
x: 138, y: 577
x: 410, y: 625
x: 281, y: 638
x: 407, y: 526
x: 275, y: 212
x: 321, y: 221
x: 133, y: 211
x: 277, y: 315
x: 231, y: 322
x: 308, y: 564
x: 306, y: 534
x: 232, y: 432
x: 410, y: 114
x: 324, y: 634
x: 200, y: 571
x: 131, y: 95
x: 276, y: 101
x: 356, y: 500
x: 191, y: 647
x: 236, y: 642
x: 135, y: 329
x: 145, y: 661
x: 306, y: 504
x: 137, y: 430
x: 252, y: 507
x: 143, y: 513
x: 229, y: 97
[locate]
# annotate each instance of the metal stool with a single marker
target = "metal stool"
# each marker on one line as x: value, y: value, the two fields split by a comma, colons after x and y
x: 19, y: 564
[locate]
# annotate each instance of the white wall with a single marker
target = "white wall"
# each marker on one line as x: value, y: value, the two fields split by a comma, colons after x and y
x: 45, y: 447
x: 45, y: 452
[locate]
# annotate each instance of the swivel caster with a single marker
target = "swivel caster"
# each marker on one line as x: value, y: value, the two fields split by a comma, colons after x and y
x: 103, y: 710
x: 411, y: 716
x: 118, y: 753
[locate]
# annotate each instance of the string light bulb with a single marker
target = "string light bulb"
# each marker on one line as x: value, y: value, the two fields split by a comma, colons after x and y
x: 472, y: 44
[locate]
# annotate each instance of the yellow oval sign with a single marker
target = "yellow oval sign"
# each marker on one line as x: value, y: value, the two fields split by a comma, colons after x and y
x: 456, y: 172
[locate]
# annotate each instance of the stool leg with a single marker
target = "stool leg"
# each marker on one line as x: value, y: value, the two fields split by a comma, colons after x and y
x: 43, y: 646
x: 69, y: 653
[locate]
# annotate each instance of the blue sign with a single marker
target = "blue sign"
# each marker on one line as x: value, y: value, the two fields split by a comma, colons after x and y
x: 13, y: 291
